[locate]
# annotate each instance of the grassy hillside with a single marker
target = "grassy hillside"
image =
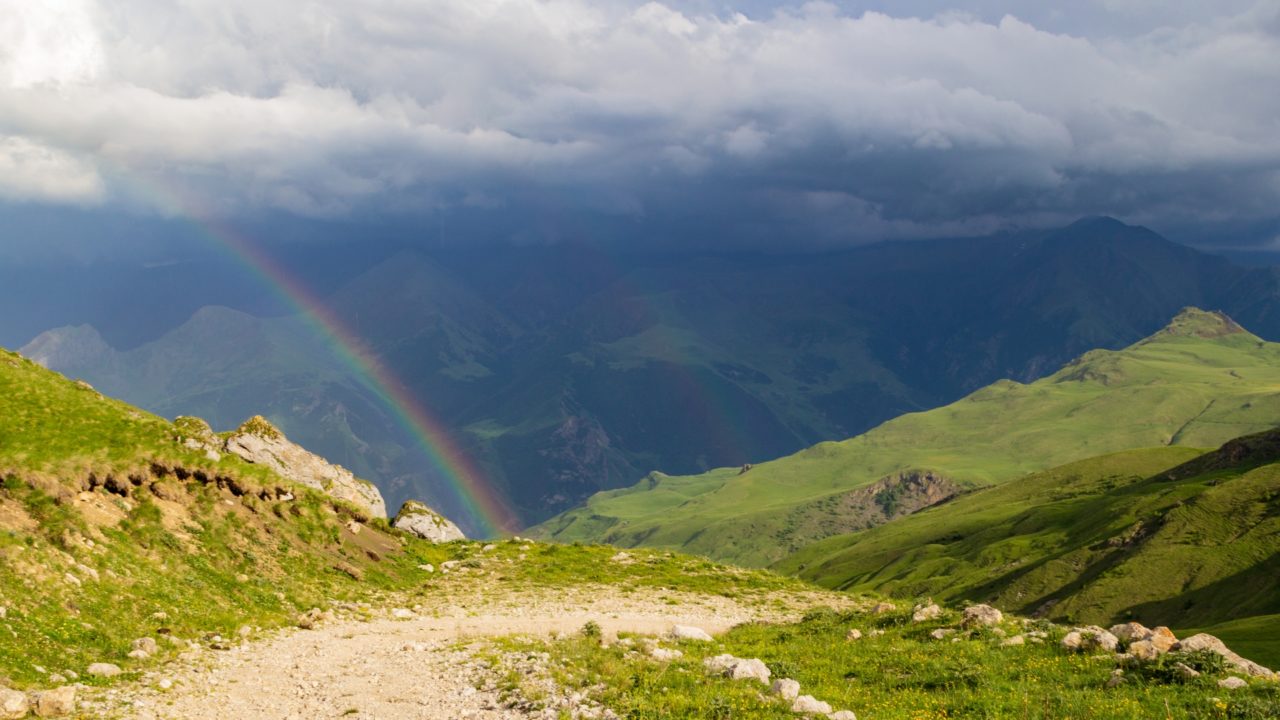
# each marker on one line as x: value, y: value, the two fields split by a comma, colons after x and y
x: 1159, y: 535
x: 895, y: 671
x: 1197, y: 383
x: 111, y: 530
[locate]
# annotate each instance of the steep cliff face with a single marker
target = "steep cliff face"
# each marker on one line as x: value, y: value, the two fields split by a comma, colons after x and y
x: 259, y: 442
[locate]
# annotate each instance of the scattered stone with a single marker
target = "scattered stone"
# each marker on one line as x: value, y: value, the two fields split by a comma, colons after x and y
x: 56, y: 703
x: 1144, y: 650
x: 13, y: 704
x: 1072, y: 640
x: 1116, y: 679
x: 1205, y: 641
x: 1232, y: 683
x: 313, y: 617
x: 1012, y: 641
x: 165, y: 684
x: 427, y: 568
x: 843, y: 715
x: 244, y: 631
x: 1186, y: 671
x: 1130, y: 632
x: 689, y: 632
x: 925, y: 613
x: 981, y: 615
x: 753, y: 669
x: 102, y: 670
x: 1163, y: 639
x: 662, y: 654
x: 1090, y: 638
x: 883, y: 607
x: 242, y: 578
x: 622, y: 557
x: 942, y: 633
x: 787, y: 688
x: 720, y: 664
x: 854, y: 634
x: 808, y: 704
x: 402, y: 613
x: 71, y: 579
x: 489, y: 547
x: 354, y: 527
x: 139, y: 654
x: 146, y: 645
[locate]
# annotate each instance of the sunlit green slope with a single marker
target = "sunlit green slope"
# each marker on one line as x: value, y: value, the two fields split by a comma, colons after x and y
x: 1198, y: 383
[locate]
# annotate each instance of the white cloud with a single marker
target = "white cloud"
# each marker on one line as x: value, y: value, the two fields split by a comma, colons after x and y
x: 330, y: 107
x: 30, y: 171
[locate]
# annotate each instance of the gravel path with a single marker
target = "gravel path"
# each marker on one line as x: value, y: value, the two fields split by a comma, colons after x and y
x: 385, y: 668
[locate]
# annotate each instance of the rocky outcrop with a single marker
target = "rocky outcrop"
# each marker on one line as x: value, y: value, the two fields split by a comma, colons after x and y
x: 259, y: 442
x: 1205, y: 641
x: 420, y: 520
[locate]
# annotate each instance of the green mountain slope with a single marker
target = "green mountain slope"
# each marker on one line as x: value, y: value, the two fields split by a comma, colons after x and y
x: 1162, y: 534
x: 1199, y: 382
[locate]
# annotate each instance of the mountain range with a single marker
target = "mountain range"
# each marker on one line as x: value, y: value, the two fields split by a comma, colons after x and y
x: 567, y: 370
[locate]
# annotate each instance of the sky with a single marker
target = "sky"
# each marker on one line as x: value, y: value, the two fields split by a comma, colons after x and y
x: 695, y: 123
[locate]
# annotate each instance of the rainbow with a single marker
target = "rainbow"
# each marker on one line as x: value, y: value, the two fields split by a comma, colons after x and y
x: 480, y: 500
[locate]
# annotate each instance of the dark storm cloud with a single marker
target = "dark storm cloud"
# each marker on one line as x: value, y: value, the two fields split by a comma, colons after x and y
x: 821, y: 122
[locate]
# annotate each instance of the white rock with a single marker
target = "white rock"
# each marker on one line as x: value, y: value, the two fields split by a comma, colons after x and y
x: 983, y: 615
x: 719, y: 664
x: 165, y: 684
x: 146, y: 645
x: 786, y: 687
x: 103, y: 670
x: 843, y: 715
x: 854, y: 634
x: 942, y: 633
x: 810, y: 705
x: 13, y: 704
x: 489, y: 547
x: 689, y: 632
x: 422, y: 521
x: 1232, y: 683
x: 56, y: 703
x: 753, y: 669
x: 259, y: 442
x: 662, y: 654
x: 924, y: 613
x: 401, y: 613
x: 1015, y: 640
x: 427, y: 568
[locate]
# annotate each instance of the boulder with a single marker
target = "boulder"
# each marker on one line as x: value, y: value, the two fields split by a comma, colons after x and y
x: 1144, y: 650
x: 1232, y: 683
x: 1205, y: 641
x: 56, y: 703
x: 1090, y: 638
x: 720, y: 664
x: 753, y: 669
x: 258, y: 441
x: 787, y: 688
x: 689, y: 632
x: 146, y: 645
x: 1130, y: 632
x: 13, y: 704
x: 1163, y: 639
x: 843, y: 715
x: 810, y: 705
x: 422, y: 521
x: 103, y: 670
x: 854, y: 634
x: 925, y: 613
x: 942, y: 633
x: 662, y: 654
x: 981, y: 616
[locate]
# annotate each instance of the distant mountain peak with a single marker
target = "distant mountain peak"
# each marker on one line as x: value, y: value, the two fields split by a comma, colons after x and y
x: 1194, y: 322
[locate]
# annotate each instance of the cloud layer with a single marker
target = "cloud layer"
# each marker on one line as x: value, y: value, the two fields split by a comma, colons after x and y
x: 806, y: 121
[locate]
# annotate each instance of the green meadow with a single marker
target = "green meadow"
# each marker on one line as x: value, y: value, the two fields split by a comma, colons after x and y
x: 1196, y: 384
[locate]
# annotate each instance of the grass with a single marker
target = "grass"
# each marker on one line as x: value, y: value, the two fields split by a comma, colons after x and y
x: 111, y: 530
x: 1118, y: 537
x: 900, y: 675
x: 1196, y: 384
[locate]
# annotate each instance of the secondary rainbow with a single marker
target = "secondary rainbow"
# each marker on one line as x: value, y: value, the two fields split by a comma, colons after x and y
x: 480, y: 500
